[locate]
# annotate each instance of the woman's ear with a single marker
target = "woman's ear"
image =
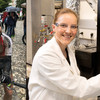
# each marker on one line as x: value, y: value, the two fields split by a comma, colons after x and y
x: 53, y: 27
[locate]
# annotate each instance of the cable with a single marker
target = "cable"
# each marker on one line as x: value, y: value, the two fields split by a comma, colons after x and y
x: 20, y: 85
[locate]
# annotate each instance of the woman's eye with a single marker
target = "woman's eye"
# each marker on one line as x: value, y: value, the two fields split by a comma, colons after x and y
x: 74, y: 27
x: 63, y: 25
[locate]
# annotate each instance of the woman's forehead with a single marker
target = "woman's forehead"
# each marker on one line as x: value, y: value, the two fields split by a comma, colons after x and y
x: 67, y: 17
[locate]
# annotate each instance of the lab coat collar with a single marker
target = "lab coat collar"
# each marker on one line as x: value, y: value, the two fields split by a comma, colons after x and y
x: 57, y: 48
x: 73, y: 66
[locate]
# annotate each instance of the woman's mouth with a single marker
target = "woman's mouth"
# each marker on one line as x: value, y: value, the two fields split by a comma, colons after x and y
x: 67, y: 36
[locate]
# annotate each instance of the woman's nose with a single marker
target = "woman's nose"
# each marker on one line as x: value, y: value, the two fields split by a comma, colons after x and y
x: 68, y: 29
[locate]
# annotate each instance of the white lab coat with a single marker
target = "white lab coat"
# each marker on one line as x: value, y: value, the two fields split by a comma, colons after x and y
x: 52, y: 78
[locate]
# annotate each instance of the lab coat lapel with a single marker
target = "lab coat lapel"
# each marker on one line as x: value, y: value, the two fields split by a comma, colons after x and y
x: 59, y: 52
x: 73, y: 63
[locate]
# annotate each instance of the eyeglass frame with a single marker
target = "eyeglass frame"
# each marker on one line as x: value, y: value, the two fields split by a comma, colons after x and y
x: 65, y: 26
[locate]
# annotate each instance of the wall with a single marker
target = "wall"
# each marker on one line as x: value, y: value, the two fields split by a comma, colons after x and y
x: 29, y: 33
x: 35, y: 8
x: 88, y: 21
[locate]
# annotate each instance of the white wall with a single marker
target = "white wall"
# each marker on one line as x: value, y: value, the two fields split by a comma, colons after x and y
x: 88, y: 23
x: 86, y: 12
x: 29, y: 32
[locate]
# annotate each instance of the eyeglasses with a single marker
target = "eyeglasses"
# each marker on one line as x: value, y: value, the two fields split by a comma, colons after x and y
x: 65, y: 26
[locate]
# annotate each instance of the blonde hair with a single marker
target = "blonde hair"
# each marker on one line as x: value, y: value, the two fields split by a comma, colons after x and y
x: 63, y: 11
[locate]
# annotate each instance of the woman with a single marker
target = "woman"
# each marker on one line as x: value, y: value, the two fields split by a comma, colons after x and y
x: 54, y: 74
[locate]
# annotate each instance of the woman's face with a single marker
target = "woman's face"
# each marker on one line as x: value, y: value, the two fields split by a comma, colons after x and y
x: 65, y: 28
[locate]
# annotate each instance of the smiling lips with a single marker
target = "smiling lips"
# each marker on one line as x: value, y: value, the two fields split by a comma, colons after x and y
x: 67, y: 36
